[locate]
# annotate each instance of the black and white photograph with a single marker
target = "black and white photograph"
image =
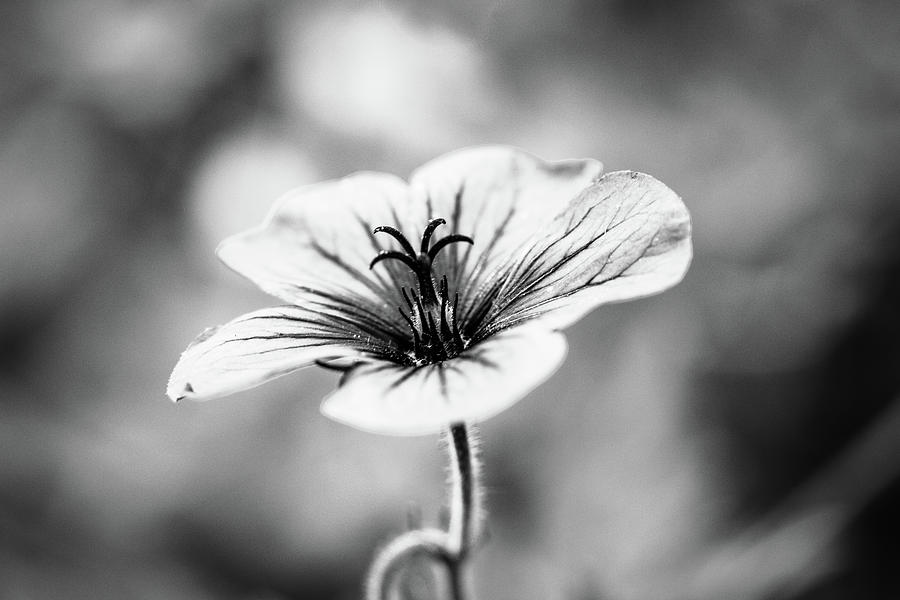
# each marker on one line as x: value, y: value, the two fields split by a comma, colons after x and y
x: 434, y: 300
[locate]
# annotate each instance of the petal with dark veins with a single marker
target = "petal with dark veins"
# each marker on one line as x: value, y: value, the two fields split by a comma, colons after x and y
x: 626, y: 236
x: 319, y: 239
x: 258, y: 347
x: 386, y: 398
x: 501, y: 197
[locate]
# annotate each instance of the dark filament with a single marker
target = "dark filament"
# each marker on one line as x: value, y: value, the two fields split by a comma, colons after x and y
x: 432, y: 317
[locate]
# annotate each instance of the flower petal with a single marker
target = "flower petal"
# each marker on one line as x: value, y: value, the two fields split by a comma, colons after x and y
x: 500, y: 197
x: 626, y: 236
x: 255, y: 348
x: 319, y: 239
x: 382, y: 397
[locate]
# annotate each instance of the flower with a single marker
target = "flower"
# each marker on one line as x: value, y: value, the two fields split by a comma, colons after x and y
x: 441, y: 299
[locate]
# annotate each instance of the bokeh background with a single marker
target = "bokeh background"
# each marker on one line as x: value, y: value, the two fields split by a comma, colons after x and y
x: 737, y: 437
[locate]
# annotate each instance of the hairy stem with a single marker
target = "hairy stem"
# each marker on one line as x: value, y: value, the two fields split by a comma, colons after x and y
x: 391, y: 558
x: 452, y: 547
x: 464, y: 492
x: 465, y: 505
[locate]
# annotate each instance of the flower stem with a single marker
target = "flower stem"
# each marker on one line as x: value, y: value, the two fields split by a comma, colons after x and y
x: 452, y: 547
x: 389, y: 561
x: 464, y: 499
x: 465, y: 505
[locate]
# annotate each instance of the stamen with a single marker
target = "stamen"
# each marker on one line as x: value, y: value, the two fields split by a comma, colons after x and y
x: 456, y: 333
x: 406, y: 318
x: 436, y: 343
x: 406, y: 297
x: 445, y: 328
x: 417, y: 343
x: 421, y: 308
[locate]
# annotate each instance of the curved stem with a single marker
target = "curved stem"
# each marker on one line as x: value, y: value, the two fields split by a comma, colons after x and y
x: 452, y: 547
x: 390, y: 559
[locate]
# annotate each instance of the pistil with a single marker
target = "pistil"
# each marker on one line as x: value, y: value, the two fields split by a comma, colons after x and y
x: 432, y: 316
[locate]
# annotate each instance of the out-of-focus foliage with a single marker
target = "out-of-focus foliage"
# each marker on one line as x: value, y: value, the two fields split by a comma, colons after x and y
x: 735, y: 438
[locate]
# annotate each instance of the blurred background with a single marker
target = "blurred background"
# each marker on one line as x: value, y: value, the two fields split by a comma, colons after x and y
x: 737, y: 437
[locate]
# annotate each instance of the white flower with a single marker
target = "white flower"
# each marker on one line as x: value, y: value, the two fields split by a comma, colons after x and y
x: 441, y: 298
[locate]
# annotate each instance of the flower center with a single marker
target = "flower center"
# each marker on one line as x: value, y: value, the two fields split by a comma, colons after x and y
x: 432, y: 317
